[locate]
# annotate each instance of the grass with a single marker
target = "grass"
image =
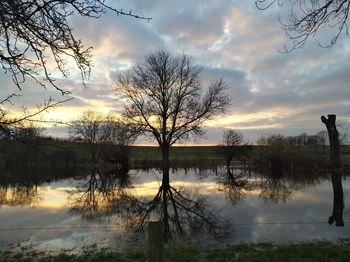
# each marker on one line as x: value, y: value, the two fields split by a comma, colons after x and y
x: 204, y: 152
x: 176, y: 152
x: 303, y: 158
x: 309, y: 251
x: 181, y: 157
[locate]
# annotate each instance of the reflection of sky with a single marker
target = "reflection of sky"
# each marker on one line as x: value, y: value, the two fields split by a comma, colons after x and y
x: 312, y: 203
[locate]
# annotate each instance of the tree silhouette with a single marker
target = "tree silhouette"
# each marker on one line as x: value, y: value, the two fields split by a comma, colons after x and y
x: 110, y: 194
x: 334, y: 144
x: 35, y: 38
x: 95, y: 130
x: 307, y: 17
x: 35, y: 33
x: 167, y: 100
x: 232, y: 144
x: 102, y: 134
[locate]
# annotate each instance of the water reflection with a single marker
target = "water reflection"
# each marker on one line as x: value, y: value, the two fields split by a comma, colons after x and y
x: 103, y: 194
x: 275, y: 190
x: 129, y: 200
x: 180, y: 211
x: 338, y: 200
x: 20, y: 194
x: 280, y: 187
x: 272, y: 187
x: 236, y: 184
x: 110, y: 193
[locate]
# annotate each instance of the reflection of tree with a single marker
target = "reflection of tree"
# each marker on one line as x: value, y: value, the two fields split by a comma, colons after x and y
x: 275, y: 189
x: 235, y: 184
x: 179, y: 211
x: 102, y: 195
x: 19, y: 194
x: 273, y: 186
x: 110, y: 194
x: 338, y: 200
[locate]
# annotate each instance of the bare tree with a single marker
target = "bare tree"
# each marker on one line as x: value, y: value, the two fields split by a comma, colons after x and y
x: 232, y: 137
x: 100, y: 131
x: 307, y: 17
x: 322, y: 138
x: 123, y: 135
x: 95, y: 130
x: 167, y: 100
x: 231, y: 141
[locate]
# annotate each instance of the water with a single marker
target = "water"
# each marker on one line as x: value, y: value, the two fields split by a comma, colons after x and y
x: 105, y: 209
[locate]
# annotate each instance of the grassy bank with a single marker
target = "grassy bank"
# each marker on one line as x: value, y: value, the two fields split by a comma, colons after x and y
x: 311, y: 251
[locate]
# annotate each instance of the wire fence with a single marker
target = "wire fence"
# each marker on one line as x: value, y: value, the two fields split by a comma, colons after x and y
x: 116, y: 226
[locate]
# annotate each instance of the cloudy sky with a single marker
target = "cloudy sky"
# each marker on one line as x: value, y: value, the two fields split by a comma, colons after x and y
x: 272, y: 92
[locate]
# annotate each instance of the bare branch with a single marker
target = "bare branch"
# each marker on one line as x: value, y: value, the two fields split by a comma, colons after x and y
x: 33, y: 33
x: 308, y: 17
x: 98, y: 131
x: 166, y: 97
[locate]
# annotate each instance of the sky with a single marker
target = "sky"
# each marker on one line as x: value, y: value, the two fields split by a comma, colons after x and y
x: 272, y: 92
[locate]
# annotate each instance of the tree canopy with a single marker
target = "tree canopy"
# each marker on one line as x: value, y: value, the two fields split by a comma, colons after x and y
x: 166, y: 98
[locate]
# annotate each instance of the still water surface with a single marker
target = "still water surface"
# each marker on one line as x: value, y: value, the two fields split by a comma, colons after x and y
x: 87, y: 210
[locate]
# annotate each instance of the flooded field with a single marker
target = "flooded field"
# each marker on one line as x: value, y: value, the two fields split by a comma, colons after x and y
x: 106, y: 208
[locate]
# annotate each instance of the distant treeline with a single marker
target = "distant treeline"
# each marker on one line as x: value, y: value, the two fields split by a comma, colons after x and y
x: 31, y: 148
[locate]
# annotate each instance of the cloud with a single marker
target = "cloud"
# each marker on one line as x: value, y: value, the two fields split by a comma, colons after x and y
x: 271, y: 91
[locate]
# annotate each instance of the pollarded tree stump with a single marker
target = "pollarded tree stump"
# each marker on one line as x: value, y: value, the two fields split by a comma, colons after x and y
x: 333, y: 135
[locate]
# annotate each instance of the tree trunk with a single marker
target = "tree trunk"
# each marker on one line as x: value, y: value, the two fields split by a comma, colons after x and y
x: 165, y: 166
x: 93, y: 153
x: 333, y: 136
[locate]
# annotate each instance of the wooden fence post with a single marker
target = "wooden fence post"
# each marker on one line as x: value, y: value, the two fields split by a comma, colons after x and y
x: 155, y: 239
